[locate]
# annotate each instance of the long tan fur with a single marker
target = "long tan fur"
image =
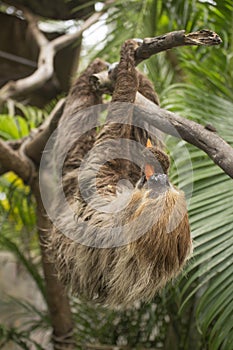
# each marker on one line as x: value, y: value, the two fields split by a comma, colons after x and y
x: 130, y: 253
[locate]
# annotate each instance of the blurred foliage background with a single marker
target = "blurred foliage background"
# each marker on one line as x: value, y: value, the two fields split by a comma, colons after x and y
x: 196, y: 311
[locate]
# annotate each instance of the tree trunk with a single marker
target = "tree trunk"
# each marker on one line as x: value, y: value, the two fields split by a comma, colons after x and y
x: 57, y: 298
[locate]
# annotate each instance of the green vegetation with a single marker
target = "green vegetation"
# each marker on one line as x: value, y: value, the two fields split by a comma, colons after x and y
x: 196, y: 311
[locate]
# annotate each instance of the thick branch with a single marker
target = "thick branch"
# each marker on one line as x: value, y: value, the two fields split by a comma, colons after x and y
x: 67, y: 39
x: 48, y: 50
x: 216, y: 148
x: 11, y: 160
x: 57, y: 298
x: 152, y: 46
x: 17, y: 155
x: 35, y: 146
x: 39, y: 37
x: 43, y: 72
x: 170, y: 123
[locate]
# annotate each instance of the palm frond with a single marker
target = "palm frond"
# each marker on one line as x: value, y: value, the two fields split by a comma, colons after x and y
x: 210, y: 273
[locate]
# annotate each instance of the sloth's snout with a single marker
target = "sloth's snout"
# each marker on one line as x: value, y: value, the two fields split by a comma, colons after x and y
x: 158, y: 184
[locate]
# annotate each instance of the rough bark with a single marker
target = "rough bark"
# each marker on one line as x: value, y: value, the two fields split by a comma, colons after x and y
x: 11, y: 160
x: 151, y: 46
x: 171, y: 123
x: 57, y: 298
x: 34, y: 148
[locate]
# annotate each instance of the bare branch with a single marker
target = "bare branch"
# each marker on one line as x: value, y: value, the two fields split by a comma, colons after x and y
x: 43, y: 73
x: 14, y: 154
x: 11, y: 160
x: 39, y: 37
x: 48, y: 50
x: 56, y: 295
x: 216, y: 148
x: 152, y: 46
x: 67, y: 39
x: 170, y: 123
x: 35, y: 146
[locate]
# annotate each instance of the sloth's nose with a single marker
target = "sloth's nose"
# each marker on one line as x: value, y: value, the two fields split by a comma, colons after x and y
x: 158, y: 183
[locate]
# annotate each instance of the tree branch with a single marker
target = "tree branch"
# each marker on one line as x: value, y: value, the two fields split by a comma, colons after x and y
x: 152, y: 46
x: 32, y: 20
x: 35, y: 146
x: 171, y: 123
x: 48, y: 50
x: 21, y: 156
x: 11, y: 160
x: 56, y: 295
x: 67, y: 39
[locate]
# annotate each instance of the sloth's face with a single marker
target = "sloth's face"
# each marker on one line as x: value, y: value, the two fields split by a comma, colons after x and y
x: 155, y: 170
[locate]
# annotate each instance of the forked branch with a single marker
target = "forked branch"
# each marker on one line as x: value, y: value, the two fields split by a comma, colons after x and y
x: 47, y: 52
x: 151, y: 46
x: 217, y: 149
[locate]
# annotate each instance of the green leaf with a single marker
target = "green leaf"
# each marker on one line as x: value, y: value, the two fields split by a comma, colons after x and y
x: 13, y: 127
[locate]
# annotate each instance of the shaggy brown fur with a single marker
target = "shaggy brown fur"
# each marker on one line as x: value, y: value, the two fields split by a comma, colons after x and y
x: 79, y: 99
x: 128, y: 253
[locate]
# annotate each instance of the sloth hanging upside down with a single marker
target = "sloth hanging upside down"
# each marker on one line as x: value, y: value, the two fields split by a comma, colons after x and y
x: 128, y: 232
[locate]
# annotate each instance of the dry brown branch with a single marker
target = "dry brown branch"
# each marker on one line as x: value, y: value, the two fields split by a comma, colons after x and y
x: 57, y: 298
x: 20, y: 156
x: 11, y: 160
x: 152, y: 46
x: 67, y: 39
x: 32, y: 20
x: 171, y: 123
x: 44, y: 69
x: 35, y: 146
x: 48, y: 50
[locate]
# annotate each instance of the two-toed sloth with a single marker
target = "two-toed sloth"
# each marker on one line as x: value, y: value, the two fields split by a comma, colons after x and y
x: 121, y: 254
